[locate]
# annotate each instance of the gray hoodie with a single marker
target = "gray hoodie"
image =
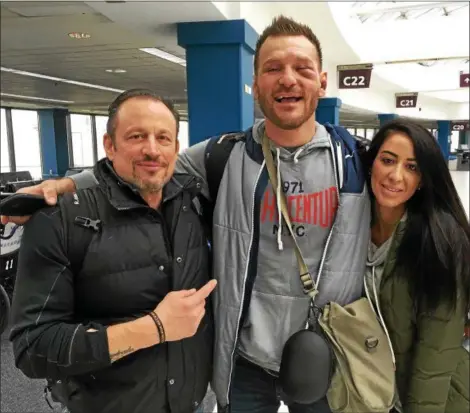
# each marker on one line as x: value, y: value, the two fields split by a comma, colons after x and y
x: 278, y: 306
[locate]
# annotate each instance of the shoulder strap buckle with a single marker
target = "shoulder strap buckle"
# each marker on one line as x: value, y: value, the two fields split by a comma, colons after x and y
x: 88, y: 223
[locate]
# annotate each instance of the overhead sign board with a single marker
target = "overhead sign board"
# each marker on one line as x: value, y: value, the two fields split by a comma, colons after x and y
x: 460, y: 125
x: 464, y: 79
x: 354, y: 76
x: 406, y: 100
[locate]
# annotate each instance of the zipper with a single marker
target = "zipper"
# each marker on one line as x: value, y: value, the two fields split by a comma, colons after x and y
x: 339, y: 156
x: 338, y: 179
x: 232, y: 358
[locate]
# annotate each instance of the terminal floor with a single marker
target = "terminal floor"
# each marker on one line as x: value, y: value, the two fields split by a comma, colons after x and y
x: 18, y: 394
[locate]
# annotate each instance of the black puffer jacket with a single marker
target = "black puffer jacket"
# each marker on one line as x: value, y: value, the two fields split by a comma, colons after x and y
x: 132, y: 262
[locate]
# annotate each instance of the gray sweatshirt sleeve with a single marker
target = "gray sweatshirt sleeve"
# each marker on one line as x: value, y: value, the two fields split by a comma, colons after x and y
x: 84, y: 179
x: 191, y: 161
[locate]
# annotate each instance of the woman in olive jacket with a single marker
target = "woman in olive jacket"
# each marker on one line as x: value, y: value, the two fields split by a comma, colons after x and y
x: 419, y: 267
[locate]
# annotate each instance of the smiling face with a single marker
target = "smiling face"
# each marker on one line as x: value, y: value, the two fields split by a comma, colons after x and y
x: 288, y: 82
x: 144, y: 147
x: 395, y: 176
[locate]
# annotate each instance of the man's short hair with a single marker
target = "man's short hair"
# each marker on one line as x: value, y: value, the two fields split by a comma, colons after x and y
x: 285, y: 26
x: 134, y: 93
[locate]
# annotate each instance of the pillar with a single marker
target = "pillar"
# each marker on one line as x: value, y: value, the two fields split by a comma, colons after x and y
x: 219, y: 75
x: 328, y: 111
x: 443, y: 137
x: 386, y: 117
x: 53, y: 142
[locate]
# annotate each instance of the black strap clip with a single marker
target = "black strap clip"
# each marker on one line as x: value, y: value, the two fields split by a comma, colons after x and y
x: 88, y: 223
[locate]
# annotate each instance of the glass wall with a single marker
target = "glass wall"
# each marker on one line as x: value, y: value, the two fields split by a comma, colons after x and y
x: 4, y: 154
x: 82, y: 140
x: 100, y: 131
x: 184, y: 135
x: 454, y: 143
x: 25, y: 125
x: 368, y: 133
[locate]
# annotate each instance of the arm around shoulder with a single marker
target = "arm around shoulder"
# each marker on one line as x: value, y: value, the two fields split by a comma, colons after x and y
x: 47, y: 342
x: 83, y: 180
x: 192, y: 161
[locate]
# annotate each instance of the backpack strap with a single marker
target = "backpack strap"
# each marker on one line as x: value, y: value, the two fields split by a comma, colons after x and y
x: 217, y: 153
x: 81, y: 221
x: 347, y: 152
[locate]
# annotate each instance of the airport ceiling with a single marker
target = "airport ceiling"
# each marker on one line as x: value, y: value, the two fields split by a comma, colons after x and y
x: 35, y: 38
x: 66, y: 43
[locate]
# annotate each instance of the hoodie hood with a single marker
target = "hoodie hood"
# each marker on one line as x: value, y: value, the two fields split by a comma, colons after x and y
x: 377, y: 255
x: 319, y: 140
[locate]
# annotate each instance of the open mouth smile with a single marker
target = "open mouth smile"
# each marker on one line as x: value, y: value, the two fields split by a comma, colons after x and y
x: 288, y: 99
x: 394, y: 190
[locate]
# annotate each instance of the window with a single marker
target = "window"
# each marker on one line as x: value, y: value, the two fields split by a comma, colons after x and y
x: 100, y: 131
x: 26, y: 142
x: 361, y: 132
x: 369, y: 134
x: 82, y: 142
x: 183, y: 135
x: 5, y: 159
x: 454, y: 143
x: 352, y: 131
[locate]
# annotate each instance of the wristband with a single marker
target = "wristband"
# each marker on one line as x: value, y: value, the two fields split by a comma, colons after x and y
x: 159, y: 324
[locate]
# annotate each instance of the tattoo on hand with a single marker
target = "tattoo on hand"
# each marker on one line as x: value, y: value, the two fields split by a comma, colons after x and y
x: 121, y: 353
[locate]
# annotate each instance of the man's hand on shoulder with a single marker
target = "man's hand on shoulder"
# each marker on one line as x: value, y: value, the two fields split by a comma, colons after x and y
x: 49, y: 189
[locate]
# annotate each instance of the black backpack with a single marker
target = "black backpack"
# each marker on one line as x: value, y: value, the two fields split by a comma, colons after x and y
x: 217, y: 153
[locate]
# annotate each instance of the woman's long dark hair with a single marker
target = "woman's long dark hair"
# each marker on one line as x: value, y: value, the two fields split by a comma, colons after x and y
x: 435, y: 250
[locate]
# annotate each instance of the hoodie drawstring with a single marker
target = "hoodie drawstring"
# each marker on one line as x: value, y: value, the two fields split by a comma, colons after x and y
x: 297, y: 154
x: 379, y: 313
x: 278, y: 196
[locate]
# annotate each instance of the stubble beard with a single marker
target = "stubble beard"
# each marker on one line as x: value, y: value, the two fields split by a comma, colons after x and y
x: 290, y: 124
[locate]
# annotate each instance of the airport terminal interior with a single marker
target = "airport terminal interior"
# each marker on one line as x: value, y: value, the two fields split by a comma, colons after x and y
x: 62, y: 63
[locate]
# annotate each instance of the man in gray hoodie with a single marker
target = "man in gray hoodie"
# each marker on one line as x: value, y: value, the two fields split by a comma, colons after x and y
x: 260, y: 301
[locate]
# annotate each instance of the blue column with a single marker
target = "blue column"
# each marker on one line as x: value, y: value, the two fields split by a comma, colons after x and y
x: 443, y: 137
x: 219, y: 75
x: 328, y: 111
x: 53, y: 141
x: 386, y: 117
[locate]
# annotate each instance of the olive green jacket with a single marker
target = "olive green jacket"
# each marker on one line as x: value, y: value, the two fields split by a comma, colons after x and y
x: 432, y: 366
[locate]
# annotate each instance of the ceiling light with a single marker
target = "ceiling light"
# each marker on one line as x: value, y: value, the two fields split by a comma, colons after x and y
x: 77, y: 35
x: 11, y: 95
x: 164, y: 55
x: 59, y: 79
x: 116, y: 70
